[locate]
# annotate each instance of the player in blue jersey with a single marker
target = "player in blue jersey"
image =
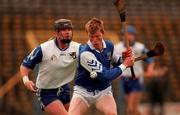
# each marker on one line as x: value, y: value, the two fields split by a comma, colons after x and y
x: 94, y: 74
x: 57, y: 60
x: 133, y: 87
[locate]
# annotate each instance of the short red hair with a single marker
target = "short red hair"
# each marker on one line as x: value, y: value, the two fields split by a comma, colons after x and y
x: 94, y: 25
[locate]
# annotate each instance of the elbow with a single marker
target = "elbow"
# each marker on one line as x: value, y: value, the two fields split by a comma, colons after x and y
x: 21, y: 67
x: 24, y: 69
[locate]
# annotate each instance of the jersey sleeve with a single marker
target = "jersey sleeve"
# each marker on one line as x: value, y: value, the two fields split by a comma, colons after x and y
x: 78, y: 48
x: 116, y: 58
x: 148, y: 60
x: 33, y: 58
x: 90, y: 63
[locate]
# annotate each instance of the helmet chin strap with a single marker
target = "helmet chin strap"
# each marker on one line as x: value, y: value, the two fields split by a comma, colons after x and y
x: 64, y: 41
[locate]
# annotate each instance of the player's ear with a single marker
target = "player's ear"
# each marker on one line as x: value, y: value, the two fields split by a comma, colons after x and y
x: 55, y: 34
x: 102, y: 31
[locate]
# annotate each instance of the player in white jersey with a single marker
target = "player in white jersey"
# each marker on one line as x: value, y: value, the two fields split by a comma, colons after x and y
x: 133, y: 87
x: 57, y: 60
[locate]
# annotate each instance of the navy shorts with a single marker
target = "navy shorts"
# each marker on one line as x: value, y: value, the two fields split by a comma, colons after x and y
x: 131, y: 85
x: 46, y: 96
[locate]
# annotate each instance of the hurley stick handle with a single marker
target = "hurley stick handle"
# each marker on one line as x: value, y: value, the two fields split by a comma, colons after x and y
x: 120, y: 5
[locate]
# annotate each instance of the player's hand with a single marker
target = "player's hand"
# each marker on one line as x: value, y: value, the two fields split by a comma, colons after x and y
x: 30, y: 86
x: 129, y: 61
x: 127, y: 53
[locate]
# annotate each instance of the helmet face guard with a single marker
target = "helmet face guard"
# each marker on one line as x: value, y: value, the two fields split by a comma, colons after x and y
x: 62, y: 24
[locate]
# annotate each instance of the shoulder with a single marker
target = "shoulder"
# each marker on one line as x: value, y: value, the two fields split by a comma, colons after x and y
x: 36, y: 51
x: 84, y: 47
x: 108, y: 42
x: 139, y: 45
x: 75, y: 43
x: 87, y: 55
x: 48, y: 46
x: 118, y: 45
x: 38, y: 48
x: 109, y: 45
x: 47, y: 43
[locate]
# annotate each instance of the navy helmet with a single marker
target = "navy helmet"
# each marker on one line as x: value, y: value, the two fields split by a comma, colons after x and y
x: 131, y: 29
x: 62, y: 24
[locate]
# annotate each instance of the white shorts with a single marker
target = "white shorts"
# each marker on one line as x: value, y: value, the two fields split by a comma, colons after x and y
x: 90, y: 97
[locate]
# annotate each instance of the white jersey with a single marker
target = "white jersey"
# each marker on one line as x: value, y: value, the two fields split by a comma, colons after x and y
x: 56, y: 67
x: 138, y: 50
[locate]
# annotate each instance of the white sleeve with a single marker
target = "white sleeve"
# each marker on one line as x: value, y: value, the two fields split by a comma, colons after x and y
x: 90, y: 62
x: 116, y: 56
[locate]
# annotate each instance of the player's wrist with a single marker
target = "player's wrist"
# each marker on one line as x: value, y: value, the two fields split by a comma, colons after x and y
x: 25, y: 79
x: 122, y: 67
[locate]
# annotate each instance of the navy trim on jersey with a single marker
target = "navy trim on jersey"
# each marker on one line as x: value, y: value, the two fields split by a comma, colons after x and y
x: 56, y: 43
x: 33, y: 58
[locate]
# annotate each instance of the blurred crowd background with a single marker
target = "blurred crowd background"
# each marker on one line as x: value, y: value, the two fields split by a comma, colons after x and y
x: 26, y: 23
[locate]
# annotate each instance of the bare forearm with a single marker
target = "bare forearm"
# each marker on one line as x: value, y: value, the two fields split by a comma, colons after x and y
x: 24, y: 70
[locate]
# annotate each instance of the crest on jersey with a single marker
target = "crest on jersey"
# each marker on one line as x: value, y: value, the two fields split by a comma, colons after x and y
x: 53, y: 58
x: 73, y: 55
x: 109, y: 56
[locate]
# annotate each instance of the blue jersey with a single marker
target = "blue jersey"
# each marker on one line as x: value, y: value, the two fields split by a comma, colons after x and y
x: 92, y: 60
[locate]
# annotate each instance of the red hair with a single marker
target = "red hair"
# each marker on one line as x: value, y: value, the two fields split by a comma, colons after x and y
x: 94, y: 25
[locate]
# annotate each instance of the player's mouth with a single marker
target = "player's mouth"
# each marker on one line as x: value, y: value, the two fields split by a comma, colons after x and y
x: 95, y: 44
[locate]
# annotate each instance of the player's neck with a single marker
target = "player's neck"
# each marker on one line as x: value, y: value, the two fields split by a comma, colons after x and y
x: 62, y: 45
x: 100, y: 48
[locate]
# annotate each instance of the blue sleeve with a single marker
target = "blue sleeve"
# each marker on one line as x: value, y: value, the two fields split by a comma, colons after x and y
x: 109, y: 74
x: 90, y: 63
x: 148, y: 60
x: 33, y: 58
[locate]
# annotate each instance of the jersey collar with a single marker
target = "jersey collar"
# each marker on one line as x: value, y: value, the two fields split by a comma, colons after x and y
x: 92, y: 47
x: 56, y: 43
